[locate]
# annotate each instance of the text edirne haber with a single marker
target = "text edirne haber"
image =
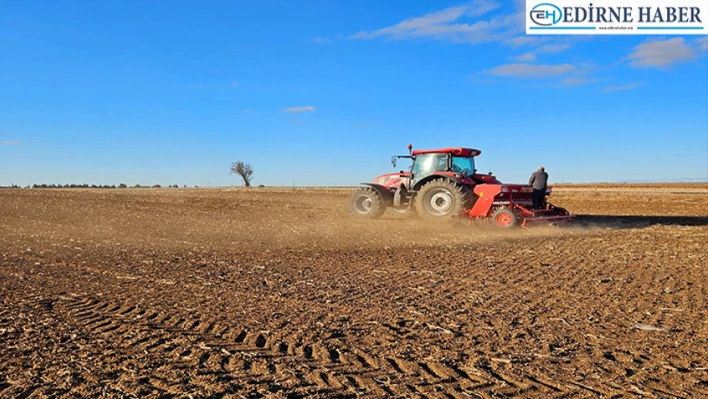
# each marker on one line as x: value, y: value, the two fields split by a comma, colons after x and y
x: 626, y: 15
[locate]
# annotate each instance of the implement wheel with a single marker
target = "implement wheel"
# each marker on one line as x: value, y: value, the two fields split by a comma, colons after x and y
x: 505, y: 218
x: 441, y: 199
x: 366, y: 203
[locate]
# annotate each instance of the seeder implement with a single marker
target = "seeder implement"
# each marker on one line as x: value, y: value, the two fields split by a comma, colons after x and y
x: 508, y: 205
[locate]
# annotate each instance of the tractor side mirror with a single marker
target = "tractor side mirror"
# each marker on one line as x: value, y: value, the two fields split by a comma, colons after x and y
x: 393, y: 162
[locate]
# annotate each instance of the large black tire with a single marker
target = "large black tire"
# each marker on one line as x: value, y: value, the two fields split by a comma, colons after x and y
x: 366, y: 203
x: 442, y: 199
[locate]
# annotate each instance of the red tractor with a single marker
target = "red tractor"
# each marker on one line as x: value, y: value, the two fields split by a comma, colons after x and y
x: 443, y: 184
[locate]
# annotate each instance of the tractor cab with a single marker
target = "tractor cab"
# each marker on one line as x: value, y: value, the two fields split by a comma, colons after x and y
x: 425, y: 165
x: 457, y: 163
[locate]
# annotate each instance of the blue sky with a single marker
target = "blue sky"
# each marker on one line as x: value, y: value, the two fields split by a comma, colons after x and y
x: 324, y: 92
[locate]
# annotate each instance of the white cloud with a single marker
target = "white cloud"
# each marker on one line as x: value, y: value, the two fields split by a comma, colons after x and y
x: 702, y: 43
x: 525, y: 57
x: 11, y: 143
x: 307, y: 108
x: 483, y: 21
x: 450, y: 25
x: 531, y: 70
x: 246, y: 111
x: 552, y: 48
x: 475, y: 22
x: 578, y: 81
x: 521, y: 41
x: 628, y: 86
x: 661, y: 53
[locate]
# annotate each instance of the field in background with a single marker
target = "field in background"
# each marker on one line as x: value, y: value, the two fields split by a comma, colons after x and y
x: 279, y: 292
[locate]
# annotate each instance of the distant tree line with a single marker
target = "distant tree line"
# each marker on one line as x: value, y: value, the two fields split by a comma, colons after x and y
x: 104, y: 186
x: 121, y: 185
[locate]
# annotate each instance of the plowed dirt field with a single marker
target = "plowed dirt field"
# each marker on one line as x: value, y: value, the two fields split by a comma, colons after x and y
x: 260, y: 293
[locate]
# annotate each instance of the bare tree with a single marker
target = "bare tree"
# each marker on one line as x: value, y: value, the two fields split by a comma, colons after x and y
x: 243, y: 170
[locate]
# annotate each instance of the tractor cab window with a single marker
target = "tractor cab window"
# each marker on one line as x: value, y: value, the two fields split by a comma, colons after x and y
x: 463, y: 164
x: 427, y: 164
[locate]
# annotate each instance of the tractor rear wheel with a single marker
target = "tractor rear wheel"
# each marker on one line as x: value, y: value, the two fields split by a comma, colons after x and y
x: 367, y: 203
x: 504, y: 218
x: 441, y: 199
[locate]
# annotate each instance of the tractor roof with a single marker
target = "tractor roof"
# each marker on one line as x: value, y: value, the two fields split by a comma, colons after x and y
x: 459, y: 151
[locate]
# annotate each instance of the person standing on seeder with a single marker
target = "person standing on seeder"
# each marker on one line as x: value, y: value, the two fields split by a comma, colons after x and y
x: 539, y: 182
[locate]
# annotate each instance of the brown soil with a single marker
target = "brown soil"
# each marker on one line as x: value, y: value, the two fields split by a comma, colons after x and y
x: 281, y: 293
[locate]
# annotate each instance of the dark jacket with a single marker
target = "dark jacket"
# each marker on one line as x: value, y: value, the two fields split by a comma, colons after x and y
x: 539, y: 180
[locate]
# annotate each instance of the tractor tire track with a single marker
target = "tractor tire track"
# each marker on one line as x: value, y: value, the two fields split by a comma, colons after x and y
x: 213, y: 361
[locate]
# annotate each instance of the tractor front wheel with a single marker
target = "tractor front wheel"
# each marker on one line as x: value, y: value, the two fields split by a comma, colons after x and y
x: 367, y: 203
x: 504, y: 218
x: 441, y: 199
